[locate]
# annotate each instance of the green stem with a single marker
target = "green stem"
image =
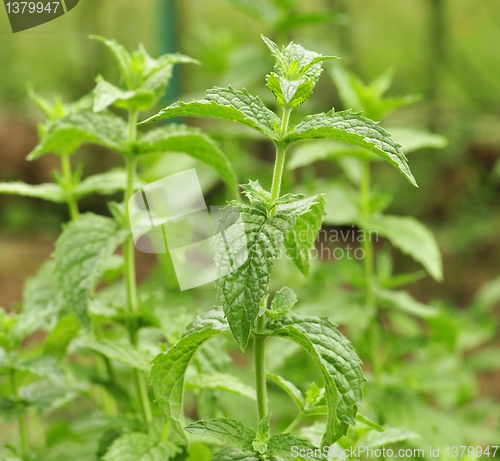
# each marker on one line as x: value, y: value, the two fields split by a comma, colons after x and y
x: 260, y: 340
x: 69, y: 186
x: 260, y: 368
x: 280, y: 156
x: 130, y: 277
x: 371, y: 300
x: 294, y: 423
x: 23, y: 429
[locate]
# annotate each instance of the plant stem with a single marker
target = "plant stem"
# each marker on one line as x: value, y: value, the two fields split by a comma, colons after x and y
x: 371, y: 300
x: 23, y: 430
x: 260, y: 368
x: 130, y: 278
x: 294, y: 423
x: 260, y: 340
x: 280, y: 156
x: 69, y: 186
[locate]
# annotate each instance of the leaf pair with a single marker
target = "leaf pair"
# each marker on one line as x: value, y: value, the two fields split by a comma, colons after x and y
x: 331, y: 351
x: 144, y: 78
x: 295, y: 74
x: 246, y: 443
x: 294, y: 62
x: 244, y: 290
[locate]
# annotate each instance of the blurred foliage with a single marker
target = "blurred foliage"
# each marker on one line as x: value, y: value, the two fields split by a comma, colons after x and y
x: 442, y: 373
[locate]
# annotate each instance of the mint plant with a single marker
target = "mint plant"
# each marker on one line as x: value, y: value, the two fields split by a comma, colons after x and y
x: 397, y: 333
x: 271, y: 220
x: 61, y: 299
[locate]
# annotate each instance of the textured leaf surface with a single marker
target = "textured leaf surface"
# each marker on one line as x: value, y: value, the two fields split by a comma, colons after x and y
x: 412, y: 238
x: 67, y: 134
x: 80, y: 252
x: 137, y: 446
x: 281, y: 446
x: 282, y: 303
x: 242, y: 290
x: 42, y: 366
x: 227, y: 431
x: 221, y: 382
x: 190, y: 141
x: 51, y: 192
x: 120, y: 351
x: 228, y: 104
x: 167, y: 374
x: 236, y: 454
x: 42, y: 300
x: 339, y: 364
x: 355, y: 129
x: 299, y: 241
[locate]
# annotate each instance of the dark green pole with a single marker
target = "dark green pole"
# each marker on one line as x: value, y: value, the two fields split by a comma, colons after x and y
x: 437, y: 58
x: 168, y: 28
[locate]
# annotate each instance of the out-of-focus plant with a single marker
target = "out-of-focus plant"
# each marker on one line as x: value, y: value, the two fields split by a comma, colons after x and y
x: 62, y: 300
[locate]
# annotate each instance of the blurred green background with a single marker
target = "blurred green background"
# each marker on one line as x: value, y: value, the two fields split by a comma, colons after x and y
x: 444, y: 50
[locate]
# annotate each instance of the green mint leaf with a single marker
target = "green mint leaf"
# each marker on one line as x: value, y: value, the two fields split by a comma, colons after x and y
x: 256, y: 194
x: 108, y: 183
x: 42, y: 365
x: 81, y: 250
x: 287, y: 198
x: 57, y: 341
x: 286, y: 446
x: 263, y: 434
x: 369, y: 422
x: 122, y: 56
x: 158, y: 75
x: 67, y: 134
x: 404, y: 302
x: 291, y: 93
x: 283, y: 302
x: 295, y: 62
x: 313, y: 396
x: 169, y: 368
x: 412, y: 140
x: 52, y: 111
x: 228, y: 104
x: 236, y: 454
x: 300, y: 239
x: 49, y: 191
x: 107, y: 94
x: 296, y: 72
x: 243, y: 290
x: 369, y: 99
x: 137, y: 446
x: 227, y: 431
x: 122, y: 352
x: 221, y: 382
x: 293, y: 392
x: 339, y: 364
x: 192, y: 142
x: 355, y: 129
x: 42, y: 300
x: 374, y: 439
x: 412, y: 238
